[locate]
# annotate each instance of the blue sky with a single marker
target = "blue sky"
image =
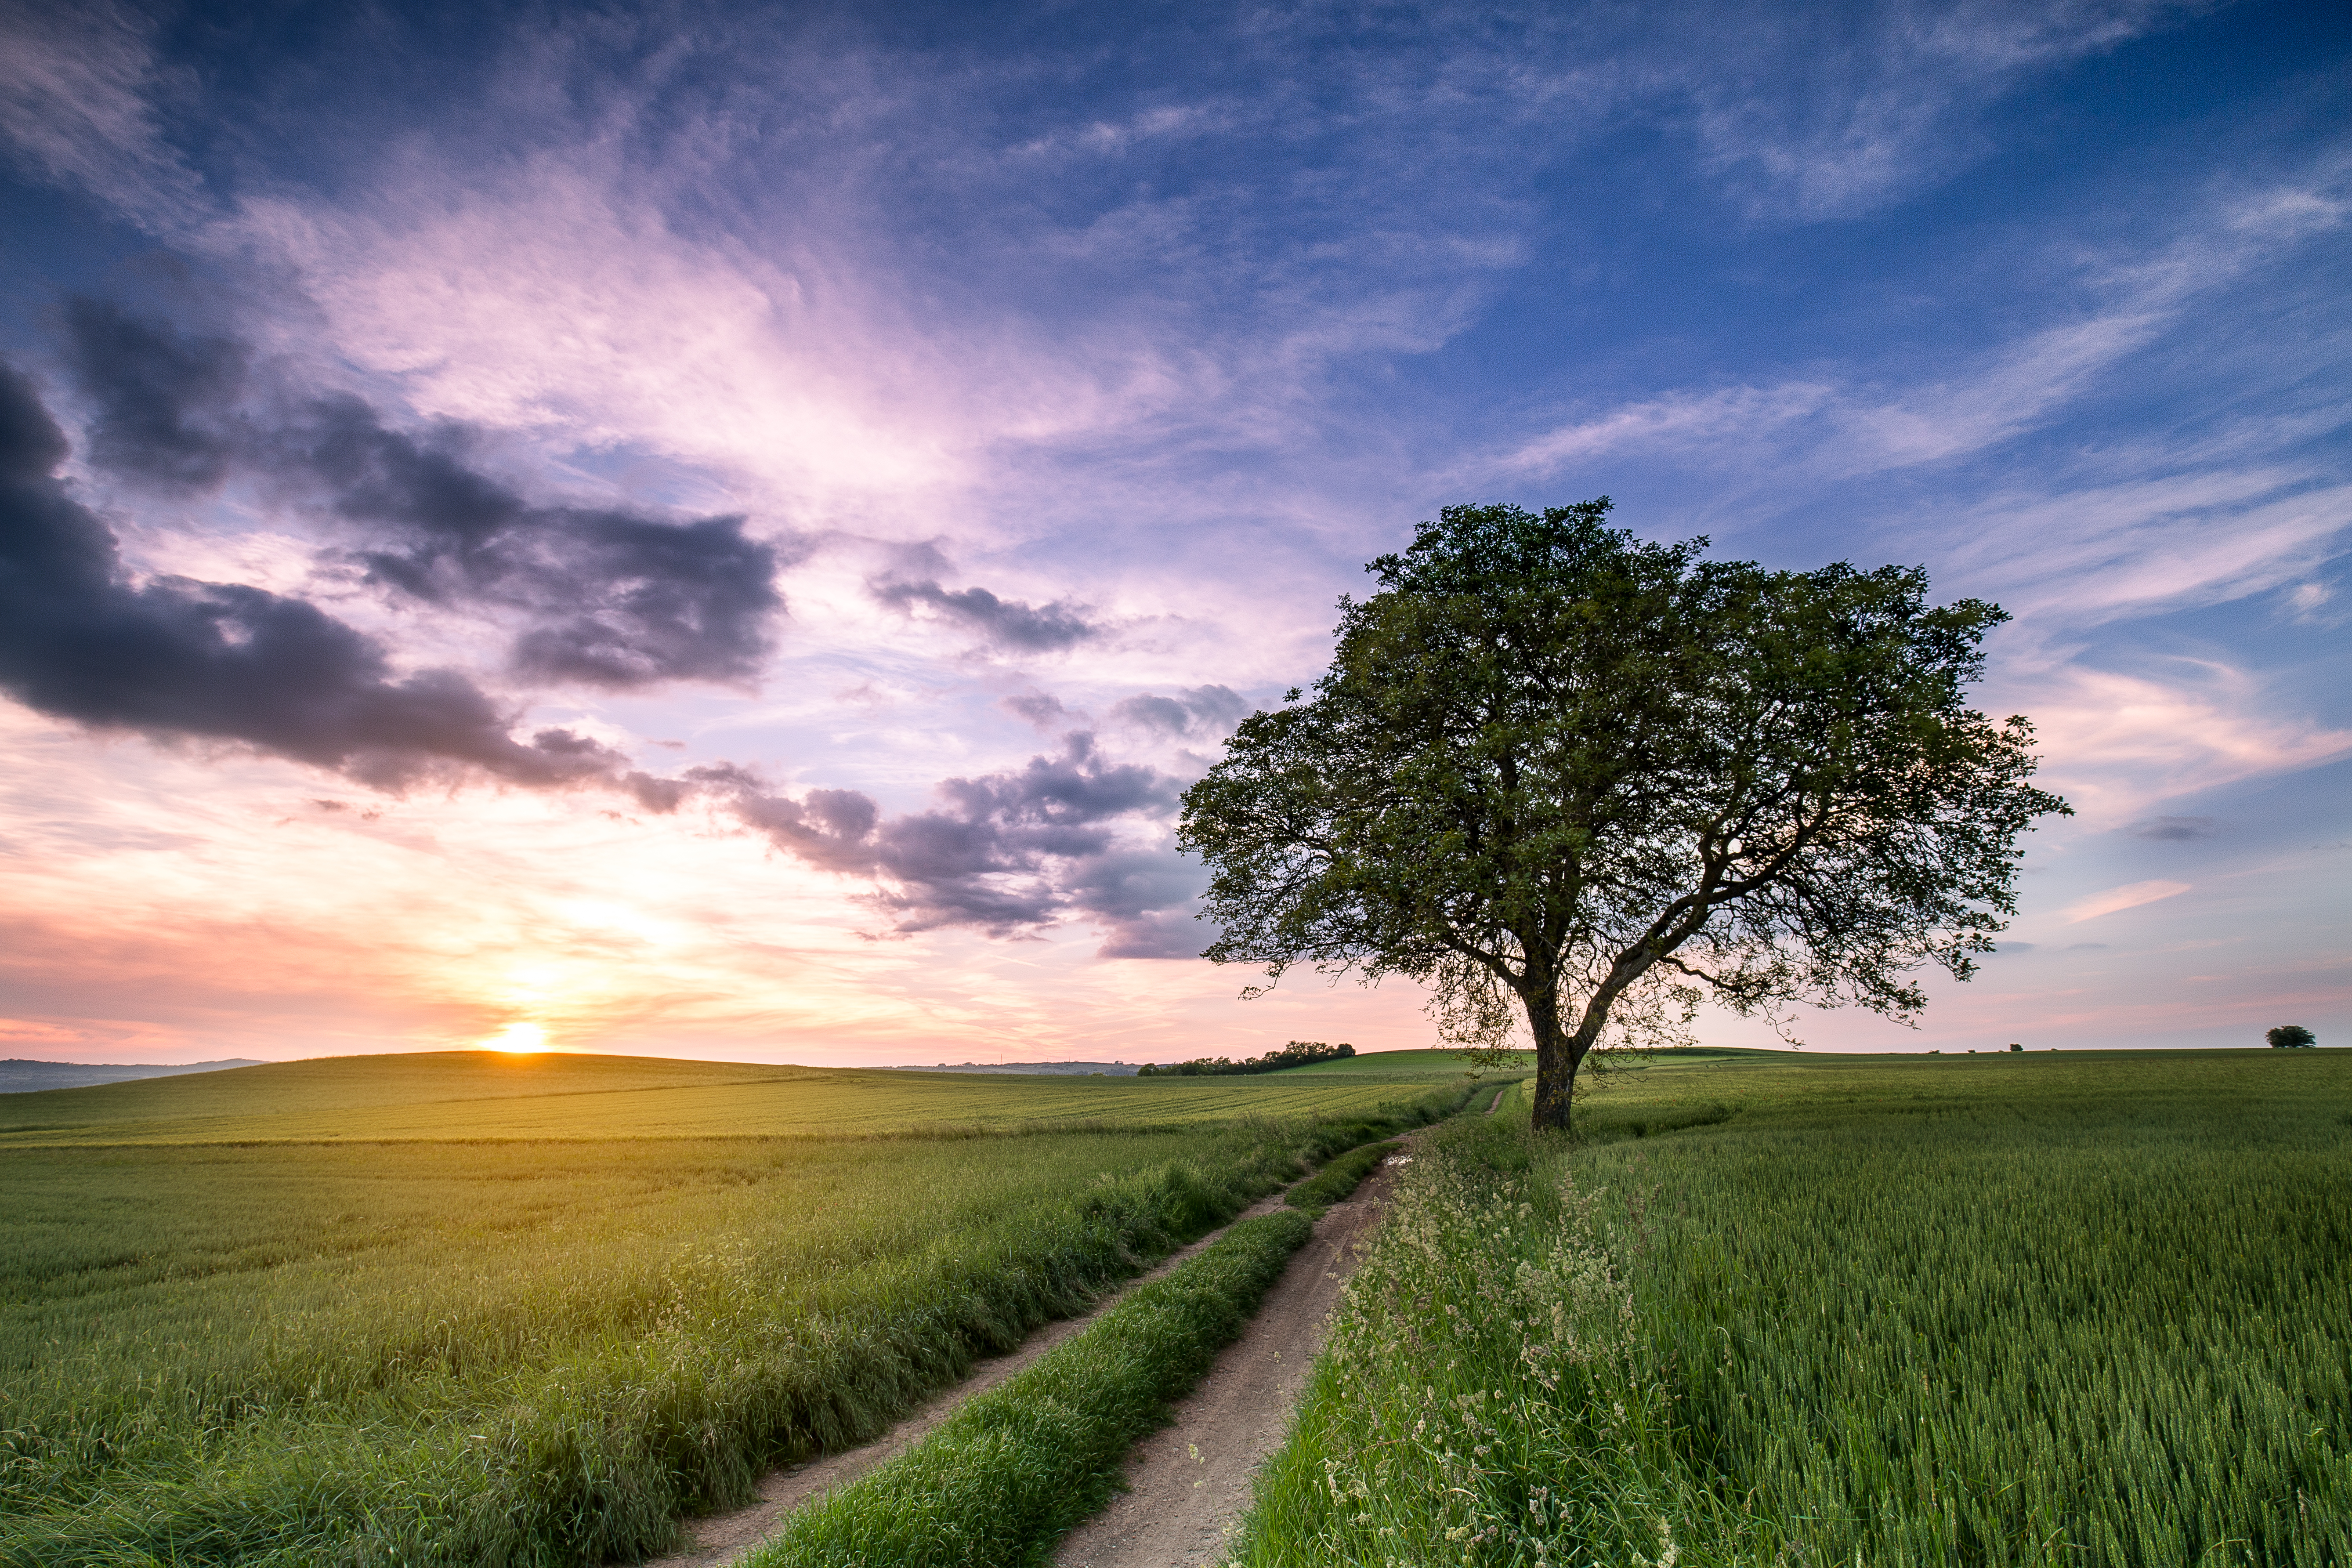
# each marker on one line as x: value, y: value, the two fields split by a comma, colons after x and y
x: 684, y: 531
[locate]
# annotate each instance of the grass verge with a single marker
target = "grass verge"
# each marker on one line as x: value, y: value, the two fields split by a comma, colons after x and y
x: 1001, y: 1478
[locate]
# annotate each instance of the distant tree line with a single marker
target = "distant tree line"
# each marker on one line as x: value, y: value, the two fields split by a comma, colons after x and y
x: 1296, y: 1054
x: 2291, y: 1038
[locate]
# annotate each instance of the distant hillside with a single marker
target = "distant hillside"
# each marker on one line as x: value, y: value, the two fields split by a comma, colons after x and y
x: 19, y: 1076
x: 578, y: 1097
x: 1074, y: 1069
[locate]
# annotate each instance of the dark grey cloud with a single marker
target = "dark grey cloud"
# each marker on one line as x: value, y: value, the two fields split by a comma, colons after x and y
x: 1197, y: 710
x: 1005, y: 853
x: 178, y: 658
x: 2174, y: 830
x: 156, y: 396
x: 1041, y: 709
x: 608, y: 598
x: 1142, y: 899
x: 1004, y: 623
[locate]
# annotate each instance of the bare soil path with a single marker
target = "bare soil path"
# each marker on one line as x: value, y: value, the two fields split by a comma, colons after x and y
x: 719, y: 1539
x: 1189, y: 1482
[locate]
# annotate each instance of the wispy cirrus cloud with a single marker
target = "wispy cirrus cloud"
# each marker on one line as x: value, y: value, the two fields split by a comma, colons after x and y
x: 2113, y: 900
x: 1830, y: 113
x: 1839, y: 424
x: 80, y: 87
x: 2089, y: 556
x: 2117, y: 743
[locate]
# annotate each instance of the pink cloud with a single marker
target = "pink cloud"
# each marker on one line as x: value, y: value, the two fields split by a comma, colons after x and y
x: 2114, y: 743
x: 2130, y: 895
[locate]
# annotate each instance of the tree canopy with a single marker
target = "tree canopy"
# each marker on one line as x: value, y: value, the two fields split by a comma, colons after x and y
x: 2290, y: 1037
x: 1556, y: 771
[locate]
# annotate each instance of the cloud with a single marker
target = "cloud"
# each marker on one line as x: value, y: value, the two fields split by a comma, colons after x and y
x: 2174, y: 830
x: 2129, y: 896
x: 1201, y: 710
x: 1849, y: 430
x: 212, y: 661
x: 1843, y: 425
x: 2090, y: 554
x: 2304, y: 602
x: 1142, y: 899
x: 1006, y: 853
x: 611, y: 598
x: 1815, y: 114
x: 157, y: 395
x: 2117, y: 743
x: 1676, y: 421
x: 1040, y: 708
x: 1005, y: 623
x: 77, y: 85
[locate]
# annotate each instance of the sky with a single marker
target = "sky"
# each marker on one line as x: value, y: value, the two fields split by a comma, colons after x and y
x: 723, y: 533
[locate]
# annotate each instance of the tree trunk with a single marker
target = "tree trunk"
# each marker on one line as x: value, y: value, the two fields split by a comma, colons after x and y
x: 1554, y: 1065
x: 1560, y: 1053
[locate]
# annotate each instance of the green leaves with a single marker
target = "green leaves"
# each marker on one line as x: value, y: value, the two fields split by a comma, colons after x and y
x: 1552, y: 758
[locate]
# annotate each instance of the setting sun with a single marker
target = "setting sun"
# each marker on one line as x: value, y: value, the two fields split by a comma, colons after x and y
x: 519, y: 1038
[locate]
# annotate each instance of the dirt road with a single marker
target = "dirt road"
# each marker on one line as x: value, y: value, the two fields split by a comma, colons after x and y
x: 1189, y: 1482
x: 719, y: 1539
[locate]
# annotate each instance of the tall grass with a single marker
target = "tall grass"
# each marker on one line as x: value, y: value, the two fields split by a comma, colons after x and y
x: 2075, y: 1314
x: 534, y: 1353
x: 1007, y: 1474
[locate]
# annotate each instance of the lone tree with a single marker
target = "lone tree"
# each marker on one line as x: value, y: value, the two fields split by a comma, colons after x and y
x: 2291, y: 1038
x: 1555, y: 767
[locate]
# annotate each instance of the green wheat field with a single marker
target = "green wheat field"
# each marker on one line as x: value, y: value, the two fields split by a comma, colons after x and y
x: 2046, y: 1308
x: 469, y: 1309
x: 2043, y: 1308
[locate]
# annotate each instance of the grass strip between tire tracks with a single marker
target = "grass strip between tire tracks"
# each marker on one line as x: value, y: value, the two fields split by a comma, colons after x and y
x: 586, y: 1446
x: 1005, y: 1476
x: 1335, y: 1182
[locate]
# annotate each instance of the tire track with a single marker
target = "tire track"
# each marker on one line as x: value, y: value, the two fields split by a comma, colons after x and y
x: 1188, y: 1482
x: 719, y: 1539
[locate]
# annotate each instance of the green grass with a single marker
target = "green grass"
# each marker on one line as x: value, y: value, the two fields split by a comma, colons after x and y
x: 477, y: 1096
x: 2035, y: 1309
x: 1409, y: 1063
x: 1334, y: 1183
x: 1005, y: 1476
x: 462, y: 1345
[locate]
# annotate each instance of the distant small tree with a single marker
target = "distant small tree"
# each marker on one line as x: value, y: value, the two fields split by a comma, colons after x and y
x: 2291, y: 1038
x: 2015, y: 1047
x: 1560, y: 772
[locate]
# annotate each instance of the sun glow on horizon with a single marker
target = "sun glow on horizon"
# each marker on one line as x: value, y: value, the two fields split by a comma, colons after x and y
x: 519, y: 1039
